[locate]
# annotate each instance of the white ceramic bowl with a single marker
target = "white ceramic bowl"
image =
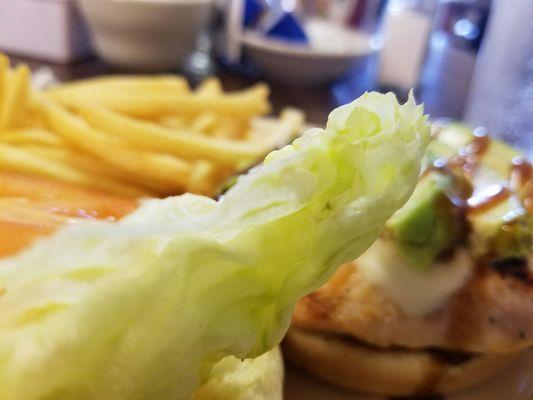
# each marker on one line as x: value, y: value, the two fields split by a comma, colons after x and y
x: 150, y: 35
x: 333, y: 51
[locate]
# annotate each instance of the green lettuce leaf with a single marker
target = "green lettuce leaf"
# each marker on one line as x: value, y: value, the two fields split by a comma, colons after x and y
x: 143, y: 308
x: 260, y: 378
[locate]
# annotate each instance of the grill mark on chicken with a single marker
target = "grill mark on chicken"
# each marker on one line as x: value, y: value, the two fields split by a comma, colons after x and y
x: 320, y: 305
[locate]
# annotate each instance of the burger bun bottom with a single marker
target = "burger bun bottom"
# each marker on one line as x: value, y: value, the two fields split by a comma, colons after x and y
x: 353, y: 365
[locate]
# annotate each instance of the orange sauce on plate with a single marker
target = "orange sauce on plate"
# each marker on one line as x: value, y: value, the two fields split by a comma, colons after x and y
x: 32, y: 207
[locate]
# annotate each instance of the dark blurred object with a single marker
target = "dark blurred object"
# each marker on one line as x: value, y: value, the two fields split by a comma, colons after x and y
x: 200, y: 63
x: 252, y: 11
x: 367, y: 15
x: 457, y: 33
x: 502, y: 89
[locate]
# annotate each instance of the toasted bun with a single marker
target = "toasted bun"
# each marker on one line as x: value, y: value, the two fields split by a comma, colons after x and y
x: 356, y: 366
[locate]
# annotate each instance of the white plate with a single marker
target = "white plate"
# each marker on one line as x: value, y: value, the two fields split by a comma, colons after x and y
x: 515, y: 383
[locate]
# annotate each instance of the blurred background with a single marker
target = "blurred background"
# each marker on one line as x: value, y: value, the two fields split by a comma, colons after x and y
x: 470, y: 60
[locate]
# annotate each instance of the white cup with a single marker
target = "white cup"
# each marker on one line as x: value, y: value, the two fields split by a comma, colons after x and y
x: 149, y: 35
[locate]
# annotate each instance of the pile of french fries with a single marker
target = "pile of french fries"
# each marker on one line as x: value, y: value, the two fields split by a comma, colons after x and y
x: 136, y: 136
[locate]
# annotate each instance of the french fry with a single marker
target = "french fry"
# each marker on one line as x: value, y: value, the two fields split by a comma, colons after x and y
x: 231, y: 128
x: 204, y: 123
x: 31, y: 135
x: 15, y: 99
x: 205, y: 178
x: 22, y: 160
x: 19, y: 160
x: 209, y: 87
x: 4, y: 69
x: 172, y: 122
x: 271, y: 133
x: 132, y: 85
x: 248, y: 102
x: 13, y: 184
x: 154, y: 137
x: 136, y: 135
x: 169, y: 172
x: 95, y: 167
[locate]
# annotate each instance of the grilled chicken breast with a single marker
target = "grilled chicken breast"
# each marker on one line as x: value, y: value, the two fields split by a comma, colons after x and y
x: 491, y: 313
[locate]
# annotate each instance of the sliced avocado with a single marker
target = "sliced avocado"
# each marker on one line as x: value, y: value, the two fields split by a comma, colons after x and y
x: 503, y: 231
x: 447, y: 143
x: 455, y: 136
x: 429, y: 223
x: 498, y: 158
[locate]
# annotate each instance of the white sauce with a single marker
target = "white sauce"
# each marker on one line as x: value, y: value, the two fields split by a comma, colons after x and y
x: 417, y: 293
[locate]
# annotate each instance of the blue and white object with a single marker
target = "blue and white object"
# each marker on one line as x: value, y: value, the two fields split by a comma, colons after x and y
x: 260, y: 17
x: 253, y: 10
x: 284, y: 26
